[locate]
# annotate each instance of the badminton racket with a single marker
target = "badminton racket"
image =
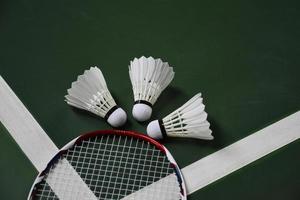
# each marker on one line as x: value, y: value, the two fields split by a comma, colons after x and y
x: 107, y: 164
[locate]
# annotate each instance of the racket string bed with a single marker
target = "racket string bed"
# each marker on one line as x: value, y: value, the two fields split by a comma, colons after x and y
x: 117, y: 167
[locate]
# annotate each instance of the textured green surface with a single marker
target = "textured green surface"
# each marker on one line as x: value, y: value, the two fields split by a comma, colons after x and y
x: 242, y: 55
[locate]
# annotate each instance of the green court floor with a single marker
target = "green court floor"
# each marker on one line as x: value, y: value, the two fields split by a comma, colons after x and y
x: 243, y: 56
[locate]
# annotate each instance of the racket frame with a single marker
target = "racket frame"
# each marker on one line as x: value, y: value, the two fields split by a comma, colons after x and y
x: 134, y: 134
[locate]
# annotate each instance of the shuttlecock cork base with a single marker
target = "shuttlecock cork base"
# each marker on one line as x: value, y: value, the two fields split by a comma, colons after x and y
x: 116, y: 116
x: 142, y: 110
x: 156, y: 130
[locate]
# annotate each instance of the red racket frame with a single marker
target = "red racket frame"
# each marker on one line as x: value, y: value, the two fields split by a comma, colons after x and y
x: 92, y: 134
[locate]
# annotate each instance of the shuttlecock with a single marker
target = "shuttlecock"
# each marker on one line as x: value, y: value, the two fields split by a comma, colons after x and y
x: 149, y: 77
x: 190, y: 121
x: 90, y: 93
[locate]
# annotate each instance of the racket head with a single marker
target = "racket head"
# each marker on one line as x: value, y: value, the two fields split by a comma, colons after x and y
x: 116, y: 164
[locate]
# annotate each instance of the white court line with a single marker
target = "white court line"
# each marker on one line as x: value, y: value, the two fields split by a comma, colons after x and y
x: 241, y: 153
x: 36, y: 144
